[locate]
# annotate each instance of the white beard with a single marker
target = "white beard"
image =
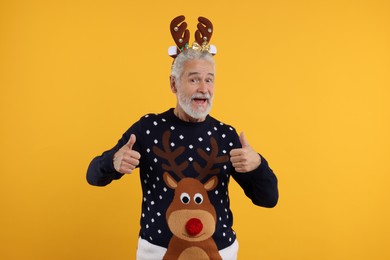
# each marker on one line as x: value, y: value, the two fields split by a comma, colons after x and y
x: 197, y: 112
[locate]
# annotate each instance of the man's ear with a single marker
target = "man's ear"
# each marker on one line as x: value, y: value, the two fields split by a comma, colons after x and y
x: 173, y: 84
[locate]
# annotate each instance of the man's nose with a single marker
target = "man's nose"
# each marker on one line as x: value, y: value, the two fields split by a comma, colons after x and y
x: 202, y: 87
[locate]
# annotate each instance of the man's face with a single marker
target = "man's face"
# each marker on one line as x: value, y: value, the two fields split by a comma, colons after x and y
x: 195, y: 89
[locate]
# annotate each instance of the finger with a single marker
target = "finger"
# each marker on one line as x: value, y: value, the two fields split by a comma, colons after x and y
x: 127, y: 167
x: 134, y: 154
x: 236, y: 159
x: 130, y: 159
x: 128, y: 155
x: 131, y: 141
x: 241, y: 170
x: 235, y: 152
x: 243, y: 140
x: 240, y: 164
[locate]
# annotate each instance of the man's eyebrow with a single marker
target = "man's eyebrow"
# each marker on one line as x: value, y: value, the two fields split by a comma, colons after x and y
x: 197, y: 73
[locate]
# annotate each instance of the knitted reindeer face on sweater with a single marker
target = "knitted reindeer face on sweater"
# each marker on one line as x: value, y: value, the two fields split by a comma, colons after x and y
x: 191, y: 217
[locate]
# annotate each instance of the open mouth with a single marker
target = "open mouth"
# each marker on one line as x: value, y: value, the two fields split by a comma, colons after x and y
x: 200, y: 101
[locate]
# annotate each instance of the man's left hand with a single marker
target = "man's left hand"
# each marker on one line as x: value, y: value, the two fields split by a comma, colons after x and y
x: 244, y: 159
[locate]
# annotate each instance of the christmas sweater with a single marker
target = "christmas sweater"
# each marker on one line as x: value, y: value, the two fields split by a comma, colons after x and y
x: 185, y: 171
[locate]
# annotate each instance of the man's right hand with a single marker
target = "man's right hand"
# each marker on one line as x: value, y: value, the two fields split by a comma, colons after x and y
x: 126, y: 159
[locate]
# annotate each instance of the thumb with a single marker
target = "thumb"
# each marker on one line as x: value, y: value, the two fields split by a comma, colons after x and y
x: 131, y: 141
x: 243, y: 140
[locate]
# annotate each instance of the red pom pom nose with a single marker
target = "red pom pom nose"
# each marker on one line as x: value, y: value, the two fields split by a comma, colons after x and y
x: 194, y: 226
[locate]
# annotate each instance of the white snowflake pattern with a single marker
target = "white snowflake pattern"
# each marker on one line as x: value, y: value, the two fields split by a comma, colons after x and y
x: 181, y: 137
x: 224, y: 167
x: 208, y: 149
x: 209, y: 132
x: 190, y: 159
x: 200, y: 139
x: 172, y: 128
x: 230, y: 128
x: 215, y: 128
x: 147, y: 132
x: 158, y: 214
x: 157, y: 178
x: 172, y: 144
x: 148, y: 150
x: 155, y: 160
x: 216, y: 192
x: 155, y: 123
x: 224, y: 151
x: 152, y: 202
x: 163, y: 119
x: 159, y: 231
x: 190, y: 146
x: 160, y: 197
x: 146, y: 116
x: 155, y: 141
x: 223, y: 135
x: 152, y: 220
x: 230, y: 144
x: 151, y: 168
x: 165, y: 189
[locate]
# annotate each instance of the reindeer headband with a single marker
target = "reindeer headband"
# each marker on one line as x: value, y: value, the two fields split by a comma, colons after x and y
x: 181, y: 36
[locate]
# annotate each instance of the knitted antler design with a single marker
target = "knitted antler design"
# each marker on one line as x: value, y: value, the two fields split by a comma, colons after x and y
x: 211, y: 159
x: 170, y: 156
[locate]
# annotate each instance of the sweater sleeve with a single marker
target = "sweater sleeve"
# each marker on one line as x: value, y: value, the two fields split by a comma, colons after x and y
x: 260, y: 185
x: 101, y: 171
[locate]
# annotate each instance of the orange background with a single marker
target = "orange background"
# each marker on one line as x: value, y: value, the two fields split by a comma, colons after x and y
x: 308, y: 82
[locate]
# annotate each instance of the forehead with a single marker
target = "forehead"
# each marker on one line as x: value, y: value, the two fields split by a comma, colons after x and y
x: 198, y: 66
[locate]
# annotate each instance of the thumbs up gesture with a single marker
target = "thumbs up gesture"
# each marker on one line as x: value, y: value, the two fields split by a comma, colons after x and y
x: 244, y: 159
x: 126, y: 159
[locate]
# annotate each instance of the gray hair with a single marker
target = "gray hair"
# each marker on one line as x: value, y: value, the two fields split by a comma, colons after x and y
x: 189, y: 54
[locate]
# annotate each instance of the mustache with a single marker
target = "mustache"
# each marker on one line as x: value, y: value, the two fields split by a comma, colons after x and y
x: 201, y: 96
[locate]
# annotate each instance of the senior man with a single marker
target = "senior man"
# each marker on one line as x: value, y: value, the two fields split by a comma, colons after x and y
x: 185, y: 159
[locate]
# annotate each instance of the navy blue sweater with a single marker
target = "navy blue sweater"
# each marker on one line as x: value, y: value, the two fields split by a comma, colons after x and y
x: 200, y: 151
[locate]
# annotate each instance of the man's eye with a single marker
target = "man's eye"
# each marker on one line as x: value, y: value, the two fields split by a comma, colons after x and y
x: 194, y: 80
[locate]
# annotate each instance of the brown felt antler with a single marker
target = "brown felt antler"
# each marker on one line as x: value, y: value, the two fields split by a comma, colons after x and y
x: 211, y: 159
x: 204, y: 32
x: 170, y: 156
x: 179, y: 31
